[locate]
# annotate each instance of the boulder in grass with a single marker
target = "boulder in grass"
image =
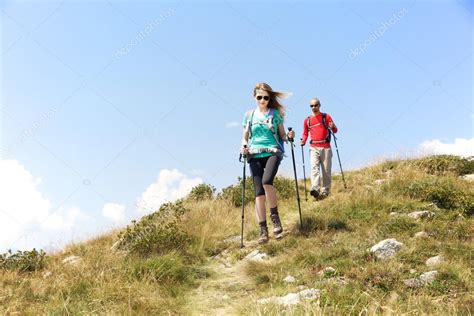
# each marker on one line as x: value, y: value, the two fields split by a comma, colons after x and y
x: 434, y: 261
x: 468, y: 177
x: 289, y: 279
x: 421, y: 214
x: 386, y: 249
x: 327, y: 272
x: 422, y: 280
x: 256, y: 256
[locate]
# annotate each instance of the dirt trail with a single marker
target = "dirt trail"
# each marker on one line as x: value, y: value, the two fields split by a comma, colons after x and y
x: 225, y: 289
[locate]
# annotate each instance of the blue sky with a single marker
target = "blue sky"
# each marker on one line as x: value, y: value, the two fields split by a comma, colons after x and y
x: 103, y: 101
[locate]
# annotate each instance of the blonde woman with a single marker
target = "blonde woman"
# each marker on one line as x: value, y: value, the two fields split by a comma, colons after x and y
x: 262, y: 142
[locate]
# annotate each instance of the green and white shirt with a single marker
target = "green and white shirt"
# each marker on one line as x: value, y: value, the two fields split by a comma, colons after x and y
x: 262, y: 136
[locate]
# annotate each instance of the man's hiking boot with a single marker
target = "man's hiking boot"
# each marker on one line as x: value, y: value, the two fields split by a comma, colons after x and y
x: 263, y: 235
x: 323, y: 195
x: 277, y: 229
x: 314, y: 193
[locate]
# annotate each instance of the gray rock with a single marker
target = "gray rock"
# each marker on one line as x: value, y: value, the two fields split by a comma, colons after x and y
x: 386, y: 248
x: 289, y: 279
x: 434, y: 261
x: 393, y: 214
x: 256, y: 256
x: 421, y: 235
x: 422, y: 280
x: 421, y: 214
x: 327, y: 272
x: 292, y: 298
x: 468, y: 177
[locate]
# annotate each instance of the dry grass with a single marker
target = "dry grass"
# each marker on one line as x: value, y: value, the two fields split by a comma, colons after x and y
x: 337, y: 232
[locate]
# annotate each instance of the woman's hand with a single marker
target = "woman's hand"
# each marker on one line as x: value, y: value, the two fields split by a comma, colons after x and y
x: 291, y: 134
x: 244, y: 150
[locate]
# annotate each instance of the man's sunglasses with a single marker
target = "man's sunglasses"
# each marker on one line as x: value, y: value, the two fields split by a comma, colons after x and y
x: 265, y: 97
x: 314, y: 105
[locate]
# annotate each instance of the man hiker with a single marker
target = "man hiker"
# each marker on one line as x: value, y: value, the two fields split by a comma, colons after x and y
x: 316, y: 127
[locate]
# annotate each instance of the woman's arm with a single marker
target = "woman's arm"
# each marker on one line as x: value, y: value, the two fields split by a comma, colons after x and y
x: 245, y: 137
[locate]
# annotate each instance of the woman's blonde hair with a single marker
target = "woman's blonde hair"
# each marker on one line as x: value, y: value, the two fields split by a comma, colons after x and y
x: 274, y: 97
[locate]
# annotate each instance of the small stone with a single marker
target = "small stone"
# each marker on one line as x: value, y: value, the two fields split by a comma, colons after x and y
x: 379, y: 182
x: 289, y: 279
x: 301, y: 287
x: 412, y: 271
x: 434, y: 261
x: 225, y: 297
x: 421, y: 235
x: 386, y: 248
x: 423, y: 279
x: 468, y: 177
x: 393, y: 214
x: 327, y: 272
x: 256, y: 256
x: 421, y: 214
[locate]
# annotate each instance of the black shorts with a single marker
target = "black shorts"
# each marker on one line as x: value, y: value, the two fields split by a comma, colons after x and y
x: 263, y: 172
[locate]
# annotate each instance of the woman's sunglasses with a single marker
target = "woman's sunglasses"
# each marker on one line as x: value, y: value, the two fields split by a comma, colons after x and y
x: 265, y: 97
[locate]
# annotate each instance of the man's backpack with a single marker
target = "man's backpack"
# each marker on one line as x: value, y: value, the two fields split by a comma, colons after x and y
x: 328, y: 138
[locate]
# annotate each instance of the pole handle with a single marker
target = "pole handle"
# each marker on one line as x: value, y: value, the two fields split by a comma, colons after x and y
x: 291, y: 140
x: 242, y: 155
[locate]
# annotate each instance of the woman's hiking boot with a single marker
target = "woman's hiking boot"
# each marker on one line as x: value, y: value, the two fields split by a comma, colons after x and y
x: 277, y: 229
x: 263, y: 234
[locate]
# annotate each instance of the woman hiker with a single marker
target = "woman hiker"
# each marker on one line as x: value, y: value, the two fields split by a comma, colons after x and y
x: 262, y: 142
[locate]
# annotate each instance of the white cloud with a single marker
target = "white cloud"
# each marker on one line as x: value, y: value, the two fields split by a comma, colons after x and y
x: 24, y: 211
x: 168, y: 187
x: 114, y: 212
x: 461, y: 147
x: 231, y: 124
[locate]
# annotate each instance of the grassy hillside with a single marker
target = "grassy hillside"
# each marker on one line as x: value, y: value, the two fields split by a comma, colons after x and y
x: 186, y: 259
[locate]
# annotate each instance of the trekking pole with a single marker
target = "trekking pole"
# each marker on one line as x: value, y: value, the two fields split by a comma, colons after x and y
x: 338, y: 158
x: 243, y: 198
x: 296, y: 178
x: 304, y: 173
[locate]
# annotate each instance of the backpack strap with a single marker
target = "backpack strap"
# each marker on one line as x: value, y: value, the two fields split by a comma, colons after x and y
x: 328, y: 138
x: 275, y: 130
x: 249, y: 121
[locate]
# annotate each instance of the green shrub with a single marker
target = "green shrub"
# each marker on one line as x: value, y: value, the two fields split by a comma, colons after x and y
x: 202, y: 192
x: 233, y: 193
x: 285, y: 188
x: 442, y: 192
x: 444, y: 164
x: 156, y: 233
x: 23, y: 261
